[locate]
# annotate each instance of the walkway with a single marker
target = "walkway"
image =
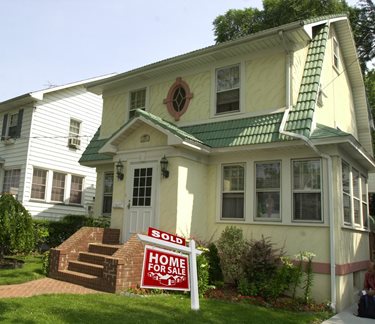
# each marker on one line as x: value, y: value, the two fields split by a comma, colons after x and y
x: 43, y: 286
x: 347, y: 317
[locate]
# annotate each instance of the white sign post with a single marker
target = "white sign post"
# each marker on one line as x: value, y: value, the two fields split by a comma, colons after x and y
x: 192, y: 252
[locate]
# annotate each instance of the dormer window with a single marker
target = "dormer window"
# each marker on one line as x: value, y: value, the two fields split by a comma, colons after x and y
x: 228, y: 89
x: 137, y: 101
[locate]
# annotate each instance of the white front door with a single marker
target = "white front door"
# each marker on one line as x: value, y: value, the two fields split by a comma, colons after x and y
x: 141, y: 203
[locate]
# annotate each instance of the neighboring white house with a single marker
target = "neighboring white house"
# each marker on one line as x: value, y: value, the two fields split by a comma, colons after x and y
x: 43, y: 135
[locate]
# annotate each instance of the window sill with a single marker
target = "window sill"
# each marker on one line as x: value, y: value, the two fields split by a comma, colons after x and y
x: 355, y: 228
x: 55, y: 203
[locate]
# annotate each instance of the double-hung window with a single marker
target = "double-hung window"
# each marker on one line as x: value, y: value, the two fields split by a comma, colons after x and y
x: 354, y: 194
x: 137, y: 101
x: 12, y: 124
x: 38, y: 186
x: 307, y: 194
x: 11, y: 181
x: 233, y: 191
x: 228, y: 89
x: 76, y: 190
x: 108, y: 193
x: 74, y: 140
x: 268, y: 190
x: 58, y: 187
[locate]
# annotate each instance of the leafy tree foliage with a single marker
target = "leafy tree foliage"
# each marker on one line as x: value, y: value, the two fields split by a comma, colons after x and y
x: 16, y: 227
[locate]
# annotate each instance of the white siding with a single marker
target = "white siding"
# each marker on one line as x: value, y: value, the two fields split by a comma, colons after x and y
x: 15, y: 154
x: 46, y: 147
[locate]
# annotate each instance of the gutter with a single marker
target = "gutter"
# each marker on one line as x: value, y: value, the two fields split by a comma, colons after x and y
x: 321, y: 154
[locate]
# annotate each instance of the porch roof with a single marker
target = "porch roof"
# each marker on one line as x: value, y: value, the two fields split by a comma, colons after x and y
x: 92, y: 150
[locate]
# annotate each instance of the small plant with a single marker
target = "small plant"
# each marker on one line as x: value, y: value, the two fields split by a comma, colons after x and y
x: 230, y: 249
x: 45, y: 262
x: 304, y: 278
x: 203, y: 274
x: 214, y: 271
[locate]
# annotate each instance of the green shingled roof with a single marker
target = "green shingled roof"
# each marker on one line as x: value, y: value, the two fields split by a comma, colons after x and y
x: 301, y: 115
x: 246, y: 131
x: 91, y: 152
x: 252, y: 130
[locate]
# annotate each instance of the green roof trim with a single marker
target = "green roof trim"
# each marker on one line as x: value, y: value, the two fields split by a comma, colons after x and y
x: 323, y: 131
x: 166, y: 125
x: 91, y: 152
x: 238, y: 132
x: 301, y: 115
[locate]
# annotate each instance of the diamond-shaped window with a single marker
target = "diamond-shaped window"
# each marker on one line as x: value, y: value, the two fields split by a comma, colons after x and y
x: 179, y: 99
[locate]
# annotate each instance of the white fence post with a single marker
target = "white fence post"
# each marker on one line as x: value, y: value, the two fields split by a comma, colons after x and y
x: 194, y: 277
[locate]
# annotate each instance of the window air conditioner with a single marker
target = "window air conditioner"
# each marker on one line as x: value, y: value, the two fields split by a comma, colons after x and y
x: 74, y: 142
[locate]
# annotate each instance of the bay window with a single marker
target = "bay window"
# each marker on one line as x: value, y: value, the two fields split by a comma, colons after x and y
x: 307, y: 195
x: 268, y: 191
x: 233, y: 191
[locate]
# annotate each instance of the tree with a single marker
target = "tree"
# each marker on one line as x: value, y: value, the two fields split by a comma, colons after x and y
x: 237, y: 23
x: 16, y: 227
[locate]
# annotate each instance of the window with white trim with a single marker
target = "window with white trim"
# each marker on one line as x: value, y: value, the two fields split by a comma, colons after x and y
x: 336, y: 54
x: 108, y: 193
x: 58, y: 187
x: 268, y: 180
x: 233, y: 191
x: 38, y: 186
x: 355, y: 197
x: 76, y: 188
x: 307, y: 193
x: 11, y: 181
x: 228, y: 89
x: 74, y: 140
x: 137, y: 101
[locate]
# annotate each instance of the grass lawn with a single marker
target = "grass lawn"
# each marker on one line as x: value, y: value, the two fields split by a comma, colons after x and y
x: 111, y: 308
x: 31, y: 270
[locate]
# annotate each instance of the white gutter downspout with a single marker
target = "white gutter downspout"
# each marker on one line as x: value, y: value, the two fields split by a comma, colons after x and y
x: 330, y: 170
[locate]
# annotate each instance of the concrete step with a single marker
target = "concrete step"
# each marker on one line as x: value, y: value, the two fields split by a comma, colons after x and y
x: 106, y: 249
x: 86, y: 268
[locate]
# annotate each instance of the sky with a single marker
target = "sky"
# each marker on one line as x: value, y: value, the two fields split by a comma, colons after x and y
x: 55, y: 42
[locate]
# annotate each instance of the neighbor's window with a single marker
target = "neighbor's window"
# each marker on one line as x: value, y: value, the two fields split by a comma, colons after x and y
x: 137, y: 101
x: 11, y: 181
x: 58, y: 187
x: 355, y: 201
x: 228, y: 89
x: 233, y: 191
x: 74, y: 140
x: 336, y: 53
x: 38, y: 187
x: 108, y: 192
x: 12, y: 124
x: 268, y: 190
x: 307, y: 194
x: 76, y: 190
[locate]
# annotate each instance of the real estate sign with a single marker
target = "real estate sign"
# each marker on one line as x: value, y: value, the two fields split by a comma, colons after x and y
x: 164, y: 269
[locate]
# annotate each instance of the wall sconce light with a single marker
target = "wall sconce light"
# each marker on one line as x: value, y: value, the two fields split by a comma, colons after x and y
x: 120, y: 170
x: 164, y: 167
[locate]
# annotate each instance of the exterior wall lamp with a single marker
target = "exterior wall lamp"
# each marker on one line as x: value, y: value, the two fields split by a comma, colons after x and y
x: 120, y: 170
x: 164, y: 167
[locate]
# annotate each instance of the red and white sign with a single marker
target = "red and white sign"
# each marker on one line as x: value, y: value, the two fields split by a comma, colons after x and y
x: 164, y: 269
x: 153, y: 232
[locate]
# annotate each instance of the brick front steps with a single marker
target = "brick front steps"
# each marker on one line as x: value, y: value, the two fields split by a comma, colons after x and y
x: 93, y: 257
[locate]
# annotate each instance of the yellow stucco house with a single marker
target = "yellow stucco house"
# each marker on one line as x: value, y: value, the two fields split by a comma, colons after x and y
x: 269, y: 132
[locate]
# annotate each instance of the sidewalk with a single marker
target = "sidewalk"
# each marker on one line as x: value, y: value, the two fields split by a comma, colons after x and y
x: 43, y: 286
x: 347, y: 317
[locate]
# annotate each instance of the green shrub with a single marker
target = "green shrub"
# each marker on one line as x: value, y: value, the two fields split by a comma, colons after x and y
x: 203, y: 270
x: 230, y: 249
x: 16, y: 228
x: 45, y: 262
x: 214, y: 272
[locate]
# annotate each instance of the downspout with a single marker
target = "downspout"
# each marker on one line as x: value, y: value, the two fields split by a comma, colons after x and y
x: 282, y: 130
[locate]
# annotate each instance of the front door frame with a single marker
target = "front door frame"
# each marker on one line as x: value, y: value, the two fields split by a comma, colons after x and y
x: 129, y: 194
